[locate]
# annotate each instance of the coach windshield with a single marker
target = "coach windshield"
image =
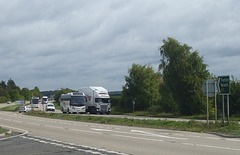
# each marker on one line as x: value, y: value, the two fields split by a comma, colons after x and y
x: 77, y: 101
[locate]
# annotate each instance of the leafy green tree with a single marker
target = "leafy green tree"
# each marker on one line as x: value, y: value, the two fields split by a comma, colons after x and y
x: 3, y: 85
x: 14, y: 95
x: 36, y: 92
x: 234, y: 96
x: 11, y: 85
x: 167, y: 102
x: 4, y: 97
x: 183, y: 73
x: 26, y: 93
x: 142, y: 86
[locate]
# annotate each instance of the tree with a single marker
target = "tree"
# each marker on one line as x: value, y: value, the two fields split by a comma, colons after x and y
x: 234, y: 96
x: 11, y: 85
x: 3, y: 85
x: 183, y: 73
x: 142, y: 86
x: 26, y: 93
x: 14, y: 95
x: 4, y: 97
x: 36, y: 92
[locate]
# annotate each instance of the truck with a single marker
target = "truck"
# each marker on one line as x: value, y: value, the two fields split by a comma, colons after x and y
x: 98, y: 100
x: 44, y: 99
x: 73, y: 102
x: 34, y: 102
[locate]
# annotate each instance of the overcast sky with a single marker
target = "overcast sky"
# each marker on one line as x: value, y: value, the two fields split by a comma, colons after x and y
x: 57, y: 44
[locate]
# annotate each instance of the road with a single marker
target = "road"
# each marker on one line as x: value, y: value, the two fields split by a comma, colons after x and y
x: 117, y: 139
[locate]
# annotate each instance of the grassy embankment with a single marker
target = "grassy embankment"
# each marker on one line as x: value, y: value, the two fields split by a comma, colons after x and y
x: 195, y: 126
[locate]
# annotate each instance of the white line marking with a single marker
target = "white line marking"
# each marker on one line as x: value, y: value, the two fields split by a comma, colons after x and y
x: 51, y: 126
x: 71, y: 145
x: 33, y: 123
x: 84, y: 131
x: 218, y: 147
x: 157, y: 135
x: 9, y: 127
x: 157, y: 140
x: 17, y: 121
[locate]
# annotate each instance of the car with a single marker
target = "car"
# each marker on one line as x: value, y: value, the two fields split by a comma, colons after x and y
x: 9, y: 102
x: 24, y: 109
x: 50, y: 107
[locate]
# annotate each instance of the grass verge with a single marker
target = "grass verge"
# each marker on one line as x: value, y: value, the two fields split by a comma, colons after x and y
x: 2, y: 130
x: 11, y: 108
x: 194, y: 126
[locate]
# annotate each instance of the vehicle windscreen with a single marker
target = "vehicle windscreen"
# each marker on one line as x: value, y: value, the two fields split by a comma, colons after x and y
x: 35, y: 101
x: 102, y: 100
x: 77, y: 101
x: 44, y: 99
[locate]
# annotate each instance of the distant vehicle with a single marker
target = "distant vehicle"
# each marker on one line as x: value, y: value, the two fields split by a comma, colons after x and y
x: 25, y: 109
x: 73, y: 102
x: 50, y: 107
x: 98, y: 100
x: 34, y: 102
x: 9, y: 102
x: 21, y: 101
x: 44, y: 99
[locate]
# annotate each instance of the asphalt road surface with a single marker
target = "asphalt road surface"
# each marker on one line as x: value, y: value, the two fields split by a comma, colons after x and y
x: 25, y: 144
x: 113, y: 138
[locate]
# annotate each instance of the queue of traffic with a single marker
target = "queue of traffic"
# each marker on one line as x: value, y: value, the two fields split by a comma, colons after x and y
x: 93, y: 100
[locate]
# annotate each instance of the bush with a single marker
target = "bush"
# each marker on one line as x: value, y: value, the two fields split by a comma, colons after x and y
x: 3, y: 99
x: 154, y: 109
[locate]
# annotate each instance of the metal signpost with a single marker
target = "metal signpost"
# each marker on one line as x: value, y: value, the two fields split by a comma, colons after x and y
x: 224, y: 89
x: 133, y: 102
x: 209, y: 89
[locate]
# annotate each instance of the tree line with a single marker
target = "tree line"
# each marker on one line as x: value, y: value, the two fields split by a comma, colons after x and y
x: 11, y: 92
x: 176, y: 87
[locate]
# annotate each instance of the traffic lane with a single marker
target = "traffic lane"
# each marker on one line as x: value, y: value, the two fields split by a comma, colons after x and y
x: 5, y: 105
x: 103, y: 128
x: 33, y: 145
x: 104, y: 136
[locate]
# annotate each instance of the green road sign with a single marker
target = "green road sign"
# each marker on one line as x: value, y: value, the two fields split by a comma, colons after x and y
x: 223, y: 85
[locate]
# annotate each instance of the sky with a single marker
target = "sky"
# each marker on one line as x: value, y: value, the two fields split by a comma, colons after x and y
x: 54, y: 44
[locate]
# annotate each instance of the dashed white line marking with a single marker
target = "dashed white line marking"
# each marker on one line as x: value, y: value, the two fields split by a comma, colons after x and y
x: 51, y: 126
x: 148, y: 139
x: 84, y: 131
x: 157, y: 135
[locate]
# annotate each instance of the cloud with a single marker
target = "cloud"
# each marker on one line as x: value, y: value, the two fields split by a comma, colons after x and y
x: 56, y: 44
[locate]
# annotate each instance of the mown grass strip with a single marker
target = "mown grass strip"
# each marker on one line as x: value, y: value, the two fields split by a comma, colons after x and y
x: 2, y: 130
x: 12, y: 108
x: 194, y: 126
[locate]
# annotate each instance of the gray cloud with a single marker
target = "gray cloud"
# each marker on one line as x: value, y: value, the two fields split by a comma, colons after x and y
x: 56, y: 44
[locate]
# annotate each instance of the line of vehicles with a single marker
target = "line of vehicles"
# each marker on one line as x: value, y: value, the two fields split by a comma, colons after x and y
x: 34, y: 103
x: 93, y: 100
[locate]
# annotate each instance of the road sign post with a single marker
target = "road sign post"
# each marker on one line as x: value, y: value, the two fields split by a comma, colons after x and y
x: 224, y: 89
x: 209, y: 89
